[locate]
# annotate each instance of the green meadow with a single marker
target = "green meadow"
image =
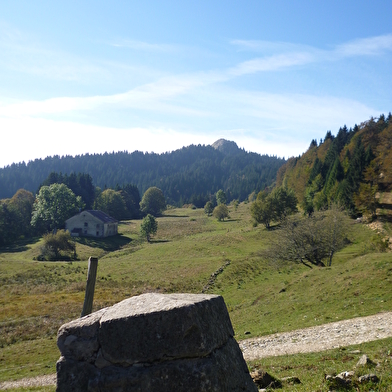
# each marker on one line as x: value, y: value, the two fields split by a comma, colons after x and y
x: 36, y: 297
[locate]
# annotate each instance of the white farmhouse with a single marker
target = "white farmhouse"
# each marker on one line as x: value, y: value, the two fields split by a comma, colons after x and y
x: 92, y: 223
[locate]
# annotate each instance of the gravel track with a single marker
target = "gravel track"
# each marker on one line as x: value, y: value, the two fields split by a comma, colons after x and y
x: 320, y: 338
x: 313, y: 339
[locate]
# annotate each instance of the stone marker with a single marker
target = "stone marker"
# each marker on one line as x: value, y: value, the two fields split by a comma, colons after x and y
x: 153, y: 342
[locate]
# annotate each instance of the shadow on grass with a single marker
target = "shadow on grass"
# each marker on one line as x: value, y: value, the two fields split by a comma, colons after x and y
x: 158, y: 241
x: 19, y: 246
x: 273, y: 228
x: 126, y: 223
x: 174, y: 216
x: 108, y: 244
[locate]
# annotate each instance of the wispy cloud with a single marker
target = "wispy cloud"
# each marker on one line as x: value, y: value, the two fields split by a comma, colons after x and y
x: 272, y: 63
x: 155, y: 96
x: 208, y: 100
x: 144, y: 46
x: 177, y: 94
x: 268, y: 46
x: 366, y: 47
x: 24, y: 53
x: 292, y: 55
x: 27, y: 54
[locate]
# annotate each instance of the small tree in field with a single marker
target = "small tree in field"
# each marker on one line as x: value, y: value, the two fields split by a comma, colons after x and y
x: 221, y: 212
x: 58, y: 246
x: 209, y: 208
x: 262, y: 212
x: 148, y: 227
x: 276, y: 206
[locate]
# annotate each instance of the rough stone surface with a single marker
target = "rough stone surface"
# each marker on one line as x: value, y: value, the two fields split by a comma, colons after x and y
x: 78, y: 339
x: 153, y: 342
x: 354, y: 331
x: 367, y: 378
x: 180, y: 325
x: 365, y: 361
x: 216, y: 372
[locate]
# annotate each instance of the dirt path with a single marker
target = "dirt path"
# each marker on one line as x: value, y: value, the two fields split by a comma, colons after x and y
x: 30, y: 382
x: 320, y: 338
x: 313, y: 339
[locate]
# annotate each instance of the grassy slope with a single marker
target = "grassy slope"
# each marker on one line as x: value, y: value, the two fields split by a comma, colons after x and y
x: 312, y: 368
x: 36, y: 297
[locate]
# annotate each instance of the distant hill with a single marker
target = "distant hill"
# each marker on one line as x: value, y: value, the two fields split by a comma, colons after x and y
x: 350, y: 168
x: 188, y: 175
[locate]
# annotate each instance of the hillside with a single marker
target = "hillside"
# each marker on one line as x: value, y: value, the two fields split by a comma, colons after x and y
x: 187, y: 175
x: 190, y: 253
x: 351, y: 168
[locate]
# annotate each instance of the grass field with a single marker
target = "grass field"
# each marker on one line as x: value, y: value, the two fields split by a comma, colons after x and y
x: 36, y: 298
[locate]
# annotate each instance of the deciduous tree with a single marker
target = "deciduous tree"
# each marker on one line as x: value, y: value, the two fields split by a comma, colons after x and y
x: 284, y: 202
x: 54, y: 204
x: 311, y: 241
x: 221, y: 197
x: 22, y: 202
x: 112, y: 203
x: 148, y: 227
x: 153, y: 201
x: 209, y: 208
x: 221, y: 212
x: 276, y: 206
x: 262, y: 212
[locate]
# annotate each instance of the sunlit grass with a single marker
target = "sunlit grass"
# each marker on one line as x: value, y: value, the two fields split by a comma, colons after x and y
x: 36, y: 298
x: 311, y: 368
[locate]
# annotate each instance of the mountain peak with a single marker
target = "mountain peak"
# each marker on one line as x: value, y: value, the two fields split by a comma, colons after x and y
x: 226, y: 146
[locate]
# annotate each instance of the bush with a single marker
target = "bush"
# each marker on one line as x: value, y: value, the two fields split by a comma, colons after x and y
x: 311, y: 241
x: 58, y: 246
x: 221, y: 212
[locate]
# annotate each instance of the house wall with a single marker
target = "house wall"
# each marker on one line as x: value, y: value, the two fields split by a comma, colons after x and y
x: 90, y: 225
x: 110, y: 229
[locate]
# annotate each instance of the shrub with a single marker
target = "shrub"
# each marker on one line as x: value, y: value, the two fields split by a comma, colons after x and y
x: 58, y: 246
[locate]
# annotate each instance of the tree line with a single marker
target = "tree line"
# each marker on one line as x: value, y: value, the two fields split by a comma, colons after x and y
x: 58, y: 198
x: 348, y: 169
x: 339, y: 176
x: 188, y: 175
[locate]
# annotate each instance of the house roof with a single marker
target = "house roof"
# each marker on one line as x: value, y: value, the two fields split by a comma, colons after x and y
x: 101, y: 216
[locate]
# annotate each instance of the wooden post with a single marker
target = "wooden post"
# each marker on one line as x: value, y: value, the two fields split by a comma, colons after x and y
x: 90, y: 286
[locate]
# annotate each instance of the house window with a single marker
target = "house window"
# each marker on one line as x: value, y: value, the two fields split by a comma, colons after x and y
x: 85, y: 224
x: 97, y: 233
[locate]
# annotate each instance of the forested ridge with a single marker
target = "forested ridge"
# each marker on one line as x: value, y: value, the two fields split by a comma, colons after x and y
x: 187, y: 175
x: 352, y: 168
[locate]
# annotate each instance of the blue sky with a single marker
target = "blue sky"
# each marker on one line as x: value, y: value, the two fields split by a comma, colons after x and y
x: 82, y: 77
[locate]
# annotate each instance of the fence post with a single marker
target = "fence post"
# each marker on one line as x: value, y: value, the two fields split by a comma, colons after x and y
x: 90, y: 286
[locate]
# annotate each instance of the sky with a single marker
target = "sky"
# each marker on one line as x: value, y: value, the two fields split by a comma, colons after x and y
x: 82, y: 76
